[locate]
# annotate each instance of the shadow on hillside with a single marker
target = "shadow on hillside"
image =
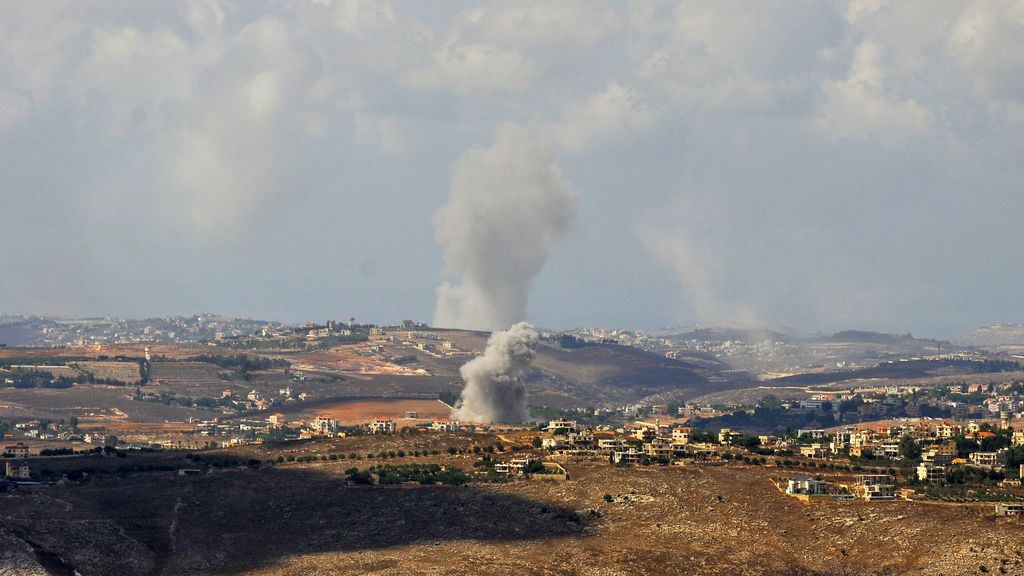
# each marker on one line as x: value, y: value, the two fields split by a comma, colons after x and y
x: 231, y: 522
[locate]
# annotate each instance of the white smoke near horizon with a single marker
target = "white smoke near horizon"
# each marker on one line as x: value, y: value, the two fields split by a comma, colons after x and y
x: 688, y: 240
x: 508, y: 206
x: 494, y: 390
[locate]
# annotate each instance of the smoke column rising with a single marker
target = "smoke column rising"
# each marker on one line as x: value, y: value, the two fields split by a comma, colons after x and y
x: 494, y: 390
x: 508, y: 207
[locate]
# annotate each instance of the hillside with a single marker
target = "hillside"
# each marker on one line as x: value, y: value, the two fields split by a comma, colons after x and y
x: 598, y: 373
x: 912, y: 369
x: 293, y: 519
x: 995, y: 336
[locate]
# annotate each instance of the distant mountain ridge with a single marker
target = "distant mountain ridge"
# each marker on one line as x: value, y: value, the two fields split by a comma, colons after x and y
x: 995, y: 335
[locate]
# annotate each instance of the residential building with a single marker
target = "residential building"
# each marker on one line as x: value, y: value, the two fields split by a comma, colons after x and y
x: 582, y: 440
x: 928, y: 472
x: 276, y: 420
x: 889, y: 450
x: 1010, y: 509
x: 1018, y: 437
x: 325, y: 425
x: 725, y: 435
x: 629, y: 456
x: 18, y: 470
x: 555, y: 443
x: 877, y: 486
x: 611, y: 444
x: 382, y: 426
x: 861, y: 451
x: 681, y: 435
x: 444, y: 426
x: 805, y: 485
x: 644, y: 433
x: 816, y: 450
x: 561, y: 426
x: 659, y: 448
x: 988, y: 459
x: 940, y: 453
x: 19, y: 450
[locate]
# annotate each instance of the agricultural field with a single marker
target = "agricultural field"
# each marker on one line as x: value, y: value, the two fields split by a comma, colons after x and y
x: 356, y: 359
x: 93, y: 401
x: 358, y: 411
x: 127, y: 372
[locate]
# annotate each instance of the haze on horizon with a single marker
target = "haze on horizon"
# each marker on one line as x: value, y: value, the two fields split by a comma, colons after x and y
x: 817, y: 165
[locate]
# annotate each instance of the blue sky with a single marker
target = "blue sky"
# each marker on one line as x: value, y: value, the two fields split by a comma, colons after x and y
x: 821, y: 165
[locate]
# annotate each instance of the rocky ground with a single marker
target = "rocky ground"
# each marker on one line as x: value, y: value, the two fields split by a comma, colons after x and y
x: 301, y: 519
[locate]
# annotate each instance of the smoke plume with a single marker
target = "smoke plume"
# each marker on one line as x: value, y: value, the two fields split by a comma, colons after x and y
x: 508, y: 206
x: 494, y: 389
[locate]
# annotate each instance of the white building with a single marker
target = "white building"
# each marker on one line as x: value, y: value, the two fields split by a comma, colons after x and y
x: 325, y: 425
x: 988, y: 459
x: 877, y: 486
x: 681, y: 435
x: 927, y: 472
x: 380, y: 426
x: 444, y: 426
x: 805, y: 485
x: 630, y: 456
x: 561, y: 426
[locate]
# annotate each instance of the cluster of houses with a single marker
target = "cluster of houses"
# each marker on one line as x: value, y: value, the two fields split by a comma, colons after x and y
x: 645, y: 442
x: 939, y: 451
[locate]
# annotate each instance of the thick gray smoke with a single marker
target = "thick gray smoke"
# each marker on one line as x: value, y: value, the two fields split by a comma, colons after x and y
x: 508, y: 206
x: 494, y: 390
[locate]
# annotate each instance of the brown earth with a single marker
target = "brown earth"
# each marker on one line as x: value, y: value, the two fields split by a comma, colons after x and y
x: 299, y: 519
x: 359, y: 411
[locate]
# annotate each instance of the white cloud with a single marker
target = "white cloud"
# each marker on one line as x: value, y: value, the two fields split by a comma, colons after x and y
x: 217, y: 116
x: 986, y: 43
x: 860, y: 108
x: 553, y: 29
x: 360, y: 18
x: 467, y: 69
x: 611, y: 113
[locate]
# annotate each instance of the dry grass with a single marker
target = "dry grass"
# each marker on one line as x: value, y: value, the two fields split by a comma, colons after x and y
x: 358, y: 411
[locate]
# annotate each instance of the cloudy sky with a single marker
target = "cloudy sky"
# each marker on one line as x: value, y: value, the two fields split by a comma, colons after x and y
x: 821, y: 165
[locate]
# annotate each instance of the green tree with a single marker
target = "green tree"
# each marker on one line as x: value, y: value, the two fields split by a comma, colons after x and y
x: 909, y: 448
